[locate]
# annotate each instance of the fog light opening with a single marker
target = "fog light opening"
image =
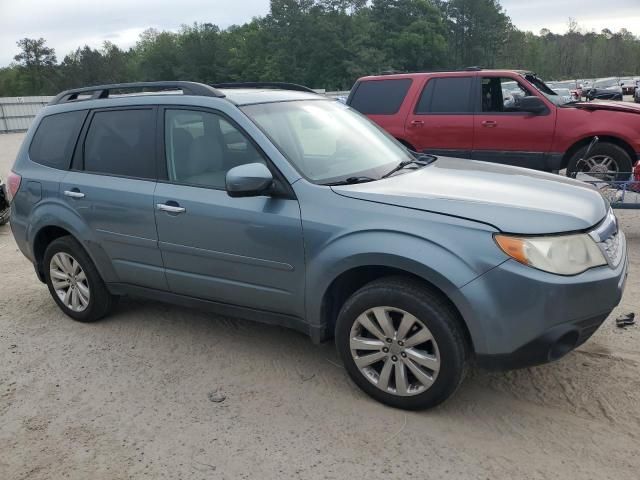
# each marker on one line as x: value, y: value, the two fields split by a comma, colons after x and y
x: 563, y: 345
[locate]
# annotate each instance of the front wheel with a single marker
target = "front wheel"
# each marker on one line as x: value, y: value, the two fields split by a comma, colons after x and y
x: 606, y: 161
x: 402, y: 343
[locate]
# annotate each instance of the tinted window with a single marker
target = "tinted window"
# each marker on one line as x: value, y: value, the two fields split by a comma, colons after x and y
x: 121, y: 142
x: 55, y: 138
x: 201, y: 147
x: 446, y: 95
x: 380, y: 97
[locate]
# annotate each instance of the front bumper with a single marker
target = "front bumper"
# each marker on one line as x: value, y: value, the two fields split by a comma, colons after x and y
x: 519, y: 316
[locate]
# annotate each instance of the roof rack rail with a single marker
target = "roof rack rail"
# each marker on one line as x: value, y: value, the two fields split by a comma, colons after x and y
x: 279, y: 85
x: 443, y: 70
x: 392, y: 72
x: 103, y: 91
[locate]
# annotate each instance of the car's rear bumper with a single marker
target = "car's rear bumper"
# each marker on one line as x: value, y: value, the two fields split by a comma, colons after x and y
x: 519, y: 316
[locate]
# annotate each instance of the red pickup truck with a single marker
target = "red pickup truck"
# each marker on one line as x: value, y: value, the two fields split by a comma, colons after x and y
x: 504, y: 116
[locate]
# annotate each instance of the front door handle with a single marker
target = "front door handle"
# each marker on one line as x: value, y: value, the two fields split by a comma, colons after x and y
x: 170, y: 208
x: 75, y: 193
x: 416, y: 123
x: 489, y: 124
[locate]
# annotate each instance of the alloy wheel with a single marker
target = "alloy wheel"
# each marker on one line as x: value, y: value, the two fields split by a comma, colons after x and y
x: 69, y: 282
x: 603, y: 167
x: 395, y: 351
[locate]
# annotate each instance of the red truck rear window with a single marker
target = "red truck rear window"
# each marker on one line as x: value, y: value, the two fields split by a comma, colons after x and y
x: 380, y: 97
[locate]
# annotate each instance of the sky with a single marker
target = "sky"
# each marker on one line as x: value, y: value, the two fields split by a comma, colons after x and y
x: 68, y: 24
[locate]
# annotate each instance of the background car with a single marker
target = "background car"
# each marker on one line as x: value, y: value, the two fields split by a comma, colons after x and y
x: 565, y: 93
x: 636, y: 95
x: 605, y: 89
x: 628, y: 85
x: 4, y: 204
x: 575, y: 89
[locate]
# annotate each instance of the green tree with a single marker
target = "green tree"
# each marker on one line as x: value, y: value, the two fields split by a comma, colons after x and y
x: 36, y: 60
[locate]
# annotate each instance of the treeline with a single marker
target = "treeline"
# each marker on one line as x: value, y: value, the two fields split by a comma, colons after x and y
x: 328, y: 44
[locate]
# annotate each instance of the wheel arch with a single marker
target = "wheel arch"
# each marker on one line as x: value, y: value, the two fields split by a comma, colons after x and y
x: 620, y: 142
x: 41, y: 241
x: 351, y: 280
x: 53, y: 220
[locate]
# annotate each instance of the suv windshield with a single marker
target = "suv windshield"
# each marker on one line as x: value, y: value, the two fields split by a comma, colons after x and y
x: 327, y: 141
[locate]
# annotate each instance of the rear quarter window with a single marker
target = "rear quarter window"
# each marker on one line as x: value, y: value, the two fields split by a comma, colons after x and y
x: 380, y: 97
x: 55, y: 139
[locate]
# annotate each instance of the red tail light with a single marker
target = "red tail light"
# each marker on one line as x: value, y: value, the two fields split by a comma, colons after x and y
x: 13, y: 184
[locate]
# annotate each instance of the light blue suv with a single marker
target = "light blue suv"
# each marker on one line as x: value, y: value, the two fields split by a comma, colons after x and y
x: 285, y: 207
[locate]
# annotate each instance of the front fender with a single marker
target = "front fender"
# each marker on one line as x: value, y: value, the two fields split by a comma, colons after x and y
x: 438, y: 264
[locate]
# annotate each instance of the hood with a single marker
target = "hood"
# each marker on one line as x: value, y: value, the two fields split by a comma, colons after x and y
x: 626, y: 107
x: 512, y: 199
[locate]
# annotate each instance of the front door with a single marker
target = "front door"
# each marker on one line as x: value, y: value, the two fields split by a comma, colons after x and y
x: 442, y: 120
x: 503, y: 134
x: 240, y: 251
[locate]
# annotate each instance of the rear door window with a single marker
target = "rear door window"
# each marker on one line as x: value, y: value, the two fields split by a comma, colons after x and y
x: 446, y: 95
x: 122, y: 143
x: 55, y: 139
x: 380, y: 97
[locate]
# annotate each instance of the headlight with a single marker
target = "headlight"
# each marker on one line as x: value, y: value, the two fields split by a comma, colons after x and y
x: 563, y: 254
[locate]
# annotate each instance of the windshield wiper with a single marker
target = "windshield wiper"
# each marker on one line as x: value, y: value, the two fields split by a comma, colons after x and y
x: 423, y: 160
x: 351, y: 181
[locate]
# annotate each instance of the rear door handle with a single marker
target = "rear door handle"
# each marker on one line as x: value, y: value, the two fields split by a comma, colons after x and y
x: 416, y: 123
x: 75, y: 193
x: 170, y: 208
x: 489, y: 124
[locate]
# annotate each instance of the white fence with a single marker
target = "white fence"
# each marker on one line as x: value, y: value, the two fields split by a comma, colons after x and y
x: 17, y: 113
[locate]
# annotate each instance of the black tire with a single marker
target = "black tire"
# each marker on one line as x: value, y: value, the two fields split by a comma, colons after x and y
x: 624, y: 165
x: 100, y: 302
x: 427, y: 306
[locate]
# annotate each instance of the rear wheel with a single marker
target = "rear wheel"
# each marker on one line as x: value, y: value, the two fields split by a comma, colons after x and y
x: 401, y: 343
x: 606, y: 161
x: 74, y: 281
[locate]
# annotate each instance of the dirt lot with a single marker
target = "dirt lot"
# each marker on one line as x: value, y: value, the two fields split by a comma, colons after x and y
x: 128, y: 397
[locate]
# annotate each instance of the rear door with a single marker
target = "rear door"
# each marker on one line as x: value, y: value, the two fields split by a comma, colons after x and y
x: 111, y: 186
x: 442, y: 120
x: 240, y: 251
x: 503, y: 134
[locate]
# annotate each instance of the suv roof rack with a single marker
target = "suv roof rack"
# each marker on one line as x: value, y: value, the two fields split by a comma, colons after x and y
x: 445, y: 70
x: 279, y: 85
x: 104, y: 91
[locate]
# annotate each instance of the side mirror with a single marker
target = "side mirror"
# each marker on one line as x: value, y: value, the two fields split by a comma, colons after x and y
x: 531, y: 104
x: 250, y: 180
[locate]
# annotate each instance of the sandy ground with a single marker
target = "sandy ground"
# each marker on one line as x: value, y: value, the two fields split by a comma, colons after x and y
x: 128, y: 397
